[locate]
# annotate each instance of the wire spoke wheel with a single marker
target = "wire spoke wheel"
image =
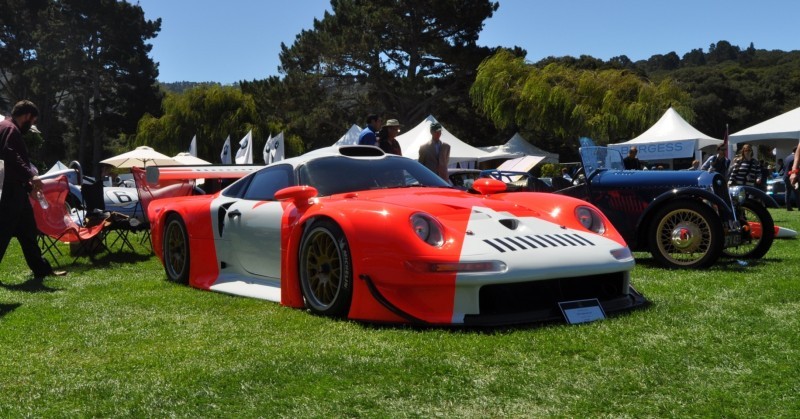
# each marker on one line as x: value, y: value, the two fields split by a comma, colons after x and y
x: 759, y: 234
x: 686, y: 234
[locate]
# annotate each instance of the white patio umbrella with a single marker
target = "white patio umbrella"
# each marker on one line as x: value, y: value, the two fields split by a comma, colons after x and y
x: 141, y: 156
x: 188, y: 159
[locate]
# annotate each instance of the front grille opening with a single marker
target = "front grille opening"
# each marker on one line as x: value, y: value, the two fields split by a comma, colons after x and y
x: 525, y: 297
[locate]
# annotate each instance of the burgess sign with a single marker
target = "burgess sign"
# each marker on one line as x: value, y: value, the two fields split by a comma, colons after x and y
x: 660, y: 151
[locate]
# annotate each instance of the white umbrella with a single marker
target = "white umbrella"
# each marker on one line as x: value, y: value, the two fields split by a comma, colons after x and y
x: 140, y: 157
x: 189, y: 160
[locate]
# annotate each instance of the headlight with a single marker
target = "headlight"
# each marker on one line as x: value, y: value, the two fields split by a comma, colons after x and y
x: 590, y: 219
x: 739, y: 194
x: 427, y: 229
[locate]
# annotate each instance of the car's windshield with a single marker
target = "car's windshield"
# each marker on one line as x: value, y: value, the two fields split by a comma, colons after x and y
x: 332, y: 175
x: 600, y: 158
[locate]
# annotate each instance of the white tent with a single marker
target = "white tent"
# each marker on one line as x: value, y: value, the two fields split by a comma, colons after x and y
x: 781, y: 132
x: 350, y: 137
x: 669, y: 138
x: 57, y: 167
x: 188, y: 159
x: 421, y: 134
x: 518, y: 146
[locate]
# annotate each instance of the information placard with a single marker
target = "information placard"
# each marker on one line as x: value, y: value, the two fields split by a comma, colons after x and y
x: 582, y: 311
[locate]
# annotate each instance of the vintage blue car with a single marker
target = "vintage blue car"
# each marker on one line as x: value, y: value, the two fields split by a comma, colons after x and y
x: 685, y: 219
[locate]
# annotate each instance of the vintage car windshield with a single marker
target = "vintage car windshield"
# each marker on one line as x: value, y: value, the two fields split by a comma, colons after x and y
x: 600, y: 158
x: 333, y: 175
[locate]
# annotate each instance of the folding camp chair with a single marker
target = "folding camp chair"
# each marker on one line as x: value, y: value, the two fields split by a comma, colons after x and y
x: 57, y: 224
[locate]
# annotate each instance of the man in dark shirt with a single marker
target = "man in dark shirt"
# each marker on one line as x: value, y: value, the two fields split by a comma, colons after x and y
x: 21, y: 177
x: 631, y: 162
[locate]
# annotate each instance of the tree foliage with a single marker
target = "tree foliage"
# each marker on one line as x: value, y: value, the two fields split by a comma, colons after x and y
x: 210, y: 112
x: 85, y: 63
x: 556, y: 103
x: 404, y: 59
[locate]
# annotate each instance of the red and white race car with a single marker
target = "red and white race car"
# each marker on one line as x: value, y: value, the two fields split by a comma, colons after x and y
x: 351, y: 232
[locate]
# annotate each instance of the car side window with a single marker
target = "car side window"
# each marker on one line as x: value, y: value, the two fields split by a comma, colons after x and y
x: 268, y: 181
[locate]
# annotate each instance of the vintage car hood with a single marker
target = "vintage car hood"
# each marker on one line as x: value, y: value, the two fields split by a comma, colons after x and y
x: 652, y: 178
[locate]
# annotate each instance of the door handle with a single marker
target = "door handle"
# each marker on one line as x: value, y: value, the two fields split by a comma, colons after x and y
x: 233, y: 214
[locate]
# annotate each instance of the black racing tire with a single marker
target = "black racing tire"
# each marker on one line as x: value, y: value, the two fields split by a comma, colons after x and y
x: 686, y: 234
x: 754, y: 246
x: 176, y: 249
x: 326, y: 271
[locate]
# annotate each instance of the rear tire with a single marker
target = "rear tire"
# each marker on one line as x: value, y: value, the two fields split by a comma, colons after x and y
x: 176, y: 249
x: 686, y: 234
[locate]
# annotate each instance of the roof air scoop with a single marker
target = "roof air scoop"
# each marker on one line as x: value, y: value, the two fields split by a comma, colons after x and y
x: 511, y: 224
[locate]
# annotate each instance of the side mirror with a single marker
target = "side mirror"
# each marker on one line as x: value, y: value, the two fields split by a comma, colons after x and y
x: 299, y: 195
x: 488, y: 186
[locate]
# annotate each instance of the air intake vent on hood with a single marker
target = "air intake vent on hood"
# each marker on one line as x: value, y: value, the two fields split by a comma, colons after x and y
x: 538, y: 241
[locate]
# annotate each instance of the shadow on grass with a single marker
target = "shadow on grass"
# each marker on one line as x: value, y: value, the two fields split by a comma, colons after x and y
x: 108, y: 258
x: 722, y: 264
x: 8, y: 308
x: 33, y: 285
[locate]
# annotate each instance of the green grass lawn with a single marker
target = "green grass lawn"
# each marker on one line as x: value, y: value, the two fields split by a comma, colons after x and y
x: 114, y: 338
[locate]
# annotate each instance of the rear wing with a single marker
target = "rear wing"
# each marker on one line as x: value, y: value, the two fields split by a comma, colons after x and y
x: 159, y: 173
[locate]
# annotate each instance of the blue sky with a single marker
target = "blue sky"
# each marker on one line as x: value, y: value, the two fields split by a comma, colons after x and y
x: 201, y: 40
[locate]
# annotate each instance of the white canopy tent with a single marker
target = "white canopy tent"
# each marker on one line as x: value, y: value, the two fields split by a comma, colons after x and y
x: 780, y: 133
x: 460, y: 151
x: 669, y: 138
x: 57, y: 167
x: 350, y: 137
x: 518, y: 146
x: 189, y: 160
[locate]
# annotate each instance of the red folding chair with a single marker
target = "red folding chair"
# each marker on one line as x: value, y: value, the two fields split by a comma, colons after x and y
x: 55, y: 222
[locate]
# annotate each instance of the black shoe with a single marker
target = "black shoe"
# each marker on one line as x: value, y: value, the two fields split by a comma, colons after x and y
x: 788, y: 209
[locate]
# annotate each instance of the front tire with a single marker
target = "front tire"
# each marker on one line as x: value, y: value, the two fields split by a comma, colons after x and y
x: 758, y: 241
x: 176, y: 249
x: 686, y: 234
x: 326, y: 273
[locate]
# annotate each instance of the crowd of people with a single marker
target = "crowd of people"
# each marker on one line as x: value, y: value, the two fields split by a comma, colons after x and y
x: 435, y: 154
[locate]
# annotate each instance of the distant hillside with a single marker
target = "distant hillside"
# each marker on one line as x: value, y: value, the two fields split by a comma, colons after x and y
x: 181, y: 86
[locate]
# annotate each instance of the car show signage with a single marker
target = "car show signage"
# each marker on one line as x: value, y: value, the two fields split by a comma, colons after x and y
x: 582, y: 311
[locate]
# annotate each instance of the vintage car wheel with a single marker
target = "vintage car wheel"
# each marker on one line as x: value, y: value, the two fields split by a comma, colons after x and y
x: 762, y: 232
x: 326, y: 274
x: 686, y: 234
x: 176, y: 249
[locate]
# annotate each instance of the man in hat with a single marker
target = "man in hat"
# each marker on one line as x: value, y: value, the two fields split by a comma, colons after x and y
x: 21, y: 178
x: 387, y: 138
x: 435, y: 154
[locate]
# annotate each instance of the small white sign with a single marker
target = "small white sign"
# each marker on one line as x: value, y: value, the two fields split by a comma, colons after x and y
x: 582, y: 311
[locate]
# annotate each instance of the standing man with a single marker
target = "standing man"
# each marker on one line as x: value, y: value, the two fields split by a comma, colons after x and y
x: 792, y: 196
x: 21, y: 177
x: 369, y: 136
x: 718, y: 162
x: 632, y: 162
x: 435, y: 154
